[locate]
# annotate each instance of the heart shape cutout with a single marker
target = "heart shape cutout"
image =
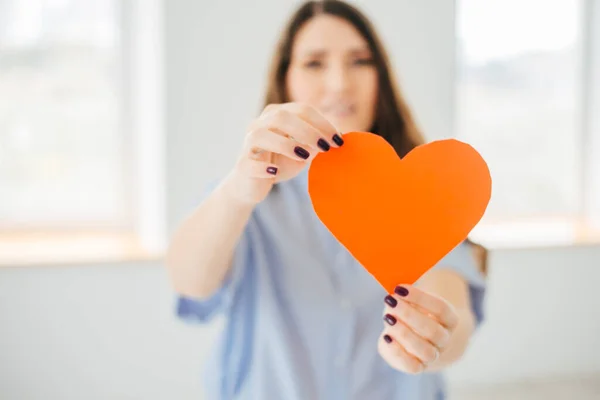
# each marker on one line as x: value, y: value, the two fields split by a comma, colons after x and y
x: 399, y: 217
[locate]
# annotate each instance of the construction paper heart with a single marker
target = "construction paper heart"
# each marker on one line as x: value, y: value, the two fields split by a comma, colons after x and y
x: 399, y: 217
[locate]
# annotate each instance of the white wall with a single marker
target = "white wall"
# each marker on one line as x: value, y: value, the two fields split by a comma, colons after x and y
x: 543, y: 317
x: 94, y: 332
x: 107, y: 331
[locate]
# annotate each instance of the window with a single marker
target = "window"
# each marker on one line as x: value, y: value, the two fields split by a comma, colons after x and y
x: 519, y: 102
x: 81, y: 141
x: 62, y: 139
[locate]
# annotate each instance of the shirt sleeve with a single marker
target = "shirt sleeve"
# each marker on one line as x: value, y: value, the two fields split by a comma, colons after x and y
x: 462, y: 261
x: 196, y: 310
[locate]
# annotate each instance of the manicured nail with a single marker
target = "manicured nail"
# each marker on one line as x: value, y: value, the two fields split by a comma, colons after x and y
x: 401, y: 291
x: 387, y: 338
x: 389, y: 319
x: 337, y: 139
x: 272, y: 170
x: 302, y: 153
x: 323, y: 145
x: 392, y: 302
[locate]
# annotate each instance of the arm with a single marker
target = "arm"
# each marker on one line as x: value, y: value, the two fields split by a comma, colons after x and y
x: 275, y: 149
x: 201, y: 250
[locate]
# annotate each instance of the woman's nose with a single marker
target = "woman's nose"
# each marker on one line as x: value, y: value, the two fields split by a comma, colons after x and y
x: 338, y: 79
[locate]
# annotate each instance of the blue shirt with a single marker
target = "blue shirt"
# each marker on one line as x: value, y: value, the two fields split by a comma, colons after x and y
x: 302, y: 315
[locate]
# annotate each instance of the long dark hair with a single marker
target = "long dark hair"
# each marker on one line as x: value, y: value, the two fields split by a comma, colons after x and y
x: 393, y: 118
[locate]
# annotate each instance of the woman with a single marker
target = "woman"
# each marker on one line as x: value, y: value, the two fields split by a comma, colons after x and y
x: 304, y: 319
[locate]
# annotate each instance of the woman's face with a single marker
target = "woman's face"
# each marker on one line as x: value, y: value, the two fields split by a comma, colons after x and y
x: 332, y: 70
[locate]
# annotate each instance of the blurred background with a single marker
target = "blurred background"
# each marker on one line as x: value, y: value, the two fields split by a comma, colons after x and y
x: 115, y: 114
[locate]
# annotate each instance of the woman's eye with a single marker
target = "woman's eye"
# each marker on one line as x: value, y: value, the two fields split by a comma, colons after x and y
x: 314, y: 64
x: 364, y: 61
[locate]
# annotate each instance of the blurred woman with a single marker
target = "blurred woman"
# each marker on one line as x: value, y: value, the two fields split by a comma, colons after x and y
x: 304, y: 320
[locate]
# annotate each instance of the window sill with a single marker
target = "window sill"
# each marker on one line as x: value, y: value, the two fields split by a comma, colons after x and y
x: 543, y: 233
x: 24, y: 249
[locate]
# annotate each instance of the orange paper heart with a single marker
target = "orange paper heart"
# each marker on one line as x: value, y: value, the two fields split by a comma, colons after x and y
x: 398, y: 218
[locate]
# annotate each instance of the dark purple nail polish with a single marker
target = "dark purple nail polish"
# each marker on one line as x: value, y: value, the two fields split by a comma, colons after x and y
x: 272, y: 170
x: 387, y: 338
x: 389, y: 319
x: 302, y: 153
x: 323, y: 145
x: 401, y: 291
x: 392, y: 302
x: 337, y: 139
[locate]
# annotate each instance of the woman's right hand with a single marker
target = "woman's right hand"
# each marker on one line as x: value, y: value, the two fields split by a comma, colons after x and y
x: 277, y: 147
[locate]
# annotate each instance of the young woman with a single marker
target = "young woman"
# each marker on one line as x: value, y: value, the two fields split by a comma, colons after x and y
x: 304, y: 319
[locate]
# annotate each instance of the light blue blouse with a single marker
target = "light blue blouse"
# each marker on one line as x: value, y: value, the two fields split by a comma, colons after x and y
x: 303, y: 317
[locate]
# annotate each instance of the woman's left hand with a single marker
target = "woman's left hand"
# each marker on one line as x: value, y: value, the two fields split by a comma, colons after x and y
x: 417, y: 328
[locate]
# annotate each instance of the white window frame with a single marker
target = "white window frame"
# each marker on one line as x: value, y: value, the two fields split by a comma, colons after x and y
x: 591, y: 113
x: 142, y: 119
x: 587, y: 226
x: 148, y: 144
x: 124, y: 219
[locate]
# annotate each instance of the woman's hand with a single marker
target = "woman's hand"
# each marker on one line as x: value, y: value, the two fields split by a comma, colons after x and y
x: 278, y: 145
x: 417, y: 328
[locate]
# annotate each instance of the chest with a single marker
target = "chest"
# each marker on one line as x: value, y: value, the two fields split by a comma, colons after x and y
x: 316, y: 272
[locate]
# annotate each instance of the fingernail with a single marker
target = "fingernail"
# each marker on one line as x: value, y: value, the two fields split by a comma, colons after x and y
x: 401, y: 291
x: 337, y: 139
x: 323, y: 145
x: 389, y: 319
x: 302, y: 153
x: 387, y: 338
x: 272, y: 170
x: 392, y: 302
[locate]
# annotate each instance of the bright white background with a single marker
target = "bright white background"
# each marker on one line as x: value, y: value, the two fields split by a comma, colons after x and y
x: 107, y: 331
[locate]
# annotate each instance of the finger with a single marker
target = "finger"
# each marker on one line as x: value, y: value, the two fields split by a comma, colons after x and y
x: 260, y: 154
x: 287, y: 123
x: 410, y: 341
x: 436, y: 306
x: 316, y: 119
x: 397, y: 357
x: 262, y: 139
x: 423, y: 325
x: 269, y: 108
x: 258, y: 169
